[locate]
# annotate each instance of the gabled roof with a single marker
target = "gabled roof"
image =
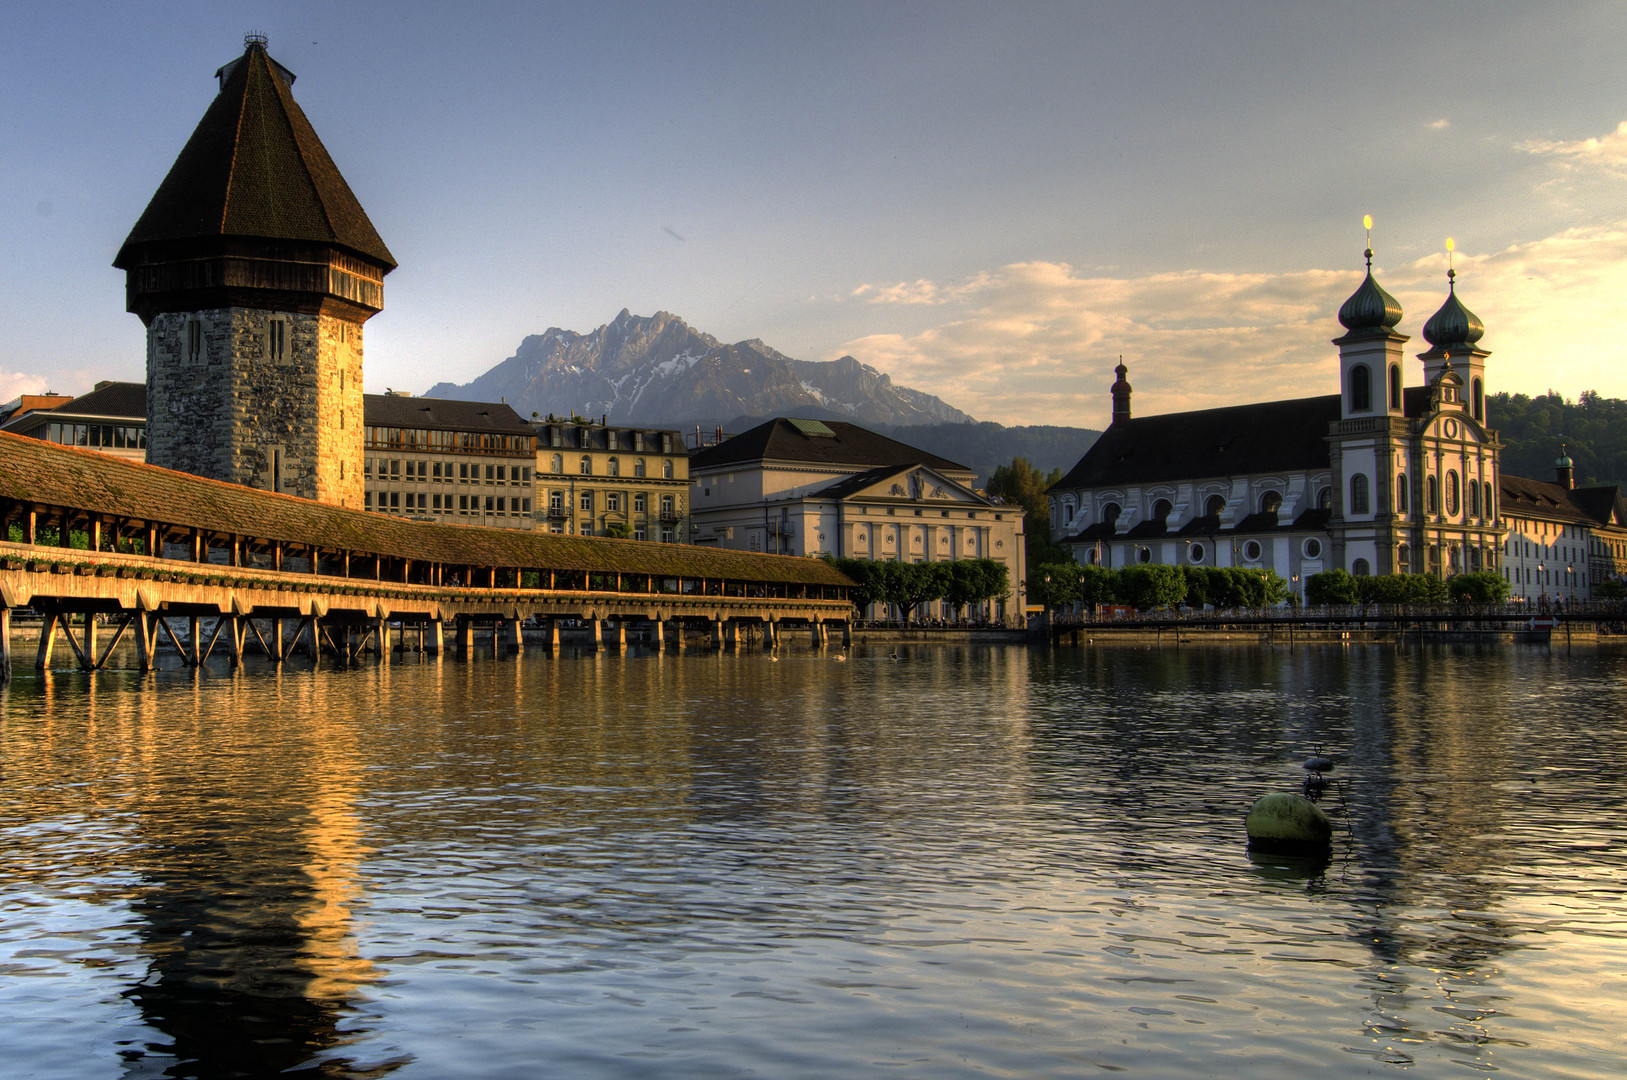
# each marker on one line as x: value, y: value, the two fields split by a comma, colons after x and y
x: 254, y: 167
x: 1272, y: 436
x: 44, y: 473
x: 442, y: 414
x: 122, y: 399
x: 853, y: 485
x: 1596, y: 506
x: 847, y: 445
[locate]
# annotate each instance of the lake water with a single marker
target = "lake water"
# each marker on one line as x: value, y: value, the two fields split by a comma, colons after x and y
x: 970, y: 862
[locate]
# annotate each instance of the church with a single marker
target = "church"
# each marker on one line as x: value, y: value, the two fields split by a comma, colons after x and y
x: 1380, y: 478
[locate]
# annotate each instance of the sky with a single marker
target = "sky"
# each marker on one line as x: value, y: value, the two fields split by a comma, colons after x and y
x: 988, y: 202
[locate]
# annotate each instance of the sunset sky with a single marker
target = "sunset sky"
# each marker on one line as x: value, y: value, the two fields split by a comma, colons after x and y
x: 990, y: 202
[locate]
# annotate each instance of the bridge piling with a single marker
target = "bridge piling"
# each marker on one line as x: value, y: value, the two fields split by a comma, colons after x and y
x: 5, y: 644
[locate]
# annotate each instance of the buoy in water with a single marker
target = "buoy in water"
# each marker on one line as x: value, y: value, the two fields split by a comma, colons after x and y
x: 1290, y: 824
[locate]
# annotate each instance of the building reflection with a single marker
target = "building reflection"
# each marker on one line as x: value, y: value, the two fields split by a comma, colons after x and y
x: 246, y: 871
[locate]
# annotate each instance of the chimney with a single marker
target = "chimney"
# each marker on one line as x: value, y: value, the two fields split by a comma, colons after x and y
x: 1121, y: 396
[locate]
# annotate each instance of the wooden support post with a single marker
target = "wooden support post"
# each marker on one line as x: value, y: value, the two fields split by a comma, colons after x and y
x: 658, y: 635
x: 88, y: 661
x: 596, y: 632
x: 550, y: 638
x: 47, y: 641
x: 5, y: 644
x: 621, y: 635
x: 192, y: 655
x: 465, y: 634
x: 277, y: 653
x: 436, y: 630
x: 818, y: 633
x: 382, y: 641
x: 717, y: 635
x: 678, y: 634
x: 515, y: 632
x: 237, y: 640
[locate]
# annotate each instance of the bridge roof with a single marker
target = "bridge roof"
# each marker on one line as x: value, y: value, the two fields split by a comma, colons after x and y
x: 33, y: 471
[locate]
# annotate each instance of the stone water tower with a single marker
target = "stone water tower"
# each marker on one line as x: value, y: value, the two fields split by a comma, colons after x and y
x: 254, y: 268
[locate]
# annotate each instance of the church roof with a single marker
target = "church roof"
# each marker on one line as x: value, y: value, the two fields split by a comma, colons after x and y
x: 254, y: 168
x: 1272, y: 436
x: 828, y: 442
x: 1595, y: 506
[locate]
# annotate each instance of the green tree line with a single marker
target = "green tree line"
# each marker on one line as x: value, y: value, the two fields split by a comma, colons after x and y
x: 961, y: 582
x: 1592, y: 429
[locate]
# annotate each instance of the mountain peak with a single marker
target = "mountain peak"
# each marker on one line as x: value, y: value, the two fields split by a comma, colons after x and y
x: 658, y: 371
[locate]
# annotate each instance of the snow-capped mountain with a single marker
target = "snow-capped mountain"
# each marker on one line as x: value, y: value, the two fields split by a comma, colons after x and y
x: 659, y: 372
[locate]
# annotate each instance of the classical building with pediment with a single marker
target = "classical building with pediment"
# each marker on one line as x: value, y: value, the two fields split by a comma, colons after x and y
x: 812, y: 487
x: 1380, y: 478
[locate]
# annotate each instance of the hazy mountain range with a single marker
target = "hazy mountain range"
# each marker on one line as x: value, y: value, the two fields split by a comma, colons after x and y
x: 657, y: 371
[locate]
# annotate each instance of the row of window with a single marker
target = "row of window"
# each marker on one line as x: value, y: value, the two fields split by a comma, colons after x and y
x: 613, y: 502
x: 442, y: 472
x: 584, y: 466
x: 394, y: 438
x: 1361, y: 392
x: 613, y: 440
x: 436, y: 503
x: 101, y: 436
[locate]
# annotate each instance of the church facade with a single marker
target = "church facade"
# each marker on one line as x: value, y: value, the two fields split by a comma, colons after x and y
x: 1380, y: 478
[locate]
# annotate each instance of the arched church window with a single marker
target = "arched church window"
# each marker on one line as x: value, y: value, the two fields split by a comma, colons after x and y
x: 1432, y: 495
x: 1474, y: 500
x: 1401, y: 493
x: 1215, y: 506
x: 1160, y: 511
x: 1403, y: 559
x: 1270, y: 501
x: 1361, y: 388
x: 1110, y: 514
x: 1358, y: 494
x: 1479, y: 401
x: 1324, y: 499
x: 1486, y: 501
x: 1360, y: 568
x: 1395, y: 386
x: 1452, y: 494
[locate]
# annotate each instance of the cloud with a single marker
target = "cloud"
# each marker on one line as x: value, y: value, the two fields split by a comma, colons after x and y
x: 1036, y: 342
x: 1439, y: 125
x: 15, y: 383
x: 1607, y: 152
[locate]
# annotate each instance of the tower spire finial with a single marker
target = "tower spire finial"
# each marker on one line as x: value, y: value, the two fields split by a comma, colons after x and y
x: 1367, y: 225
x: 1451, y: 268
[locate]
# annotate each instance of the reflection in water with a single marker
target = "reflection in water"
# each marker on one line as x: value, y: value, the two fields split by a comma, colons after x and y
x: 967, y: 862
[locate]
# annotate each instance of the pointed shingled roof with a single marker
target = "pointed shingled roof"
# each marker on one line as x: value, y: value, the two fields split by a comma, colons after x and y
x: 254, y: 167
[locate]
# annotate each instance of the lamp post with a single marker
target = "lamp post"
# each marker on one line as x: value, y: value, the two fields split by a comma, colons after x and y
x: 1542, y: 583
x: 1570, y: 579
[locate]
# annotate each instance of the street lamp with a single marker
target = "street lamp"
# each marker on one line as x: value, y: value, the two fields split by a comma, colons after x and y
x: 1542, y: 583
x: 1570, y: 578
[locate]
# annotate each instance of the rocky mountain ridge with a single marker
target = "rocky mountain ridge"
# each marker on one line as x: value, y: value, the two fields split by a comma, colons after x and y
x: 657, y: 371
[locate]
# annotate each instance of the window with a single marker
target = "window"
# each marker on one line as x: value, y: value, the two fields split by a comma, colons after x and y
x: 1487, y: 499
x: 1251, y: 550
x: 613, y: 466
x: 1215, y: 506
x: 1269, y: 502
x: 1360, y: 568
x: 1361, y: 388
x: 1432, y: 495
x: 666, y: 468
x: 1358, y: 494
x: 1144, y: 554
x: 667, y: 507
x: 1160, y: 511
x: 1395, y: 386
x: 1479, y: 401
x: 1324, y: 499
x: 1110, y: 514
x: 463, y: 472
x: 666, y: 536
x: 463, y: 504
x: 585, y: 466
x: 612, y: 502
x: 641, y: 533
x: 556, y: 500
x: 556, y: 464
x: 490, y: 469
x: 1195, y: 553
x: 1313, y: 548
x: 1452, y: 493
x: 586, y: 501
x: 1403, y: 559
x: 1401, y: 493
x: 502, y: 473
x: 194, y: 341
x: 1474, y: 499
x: 277, y: 350
x: 641, y: 502
x: 638, y: 467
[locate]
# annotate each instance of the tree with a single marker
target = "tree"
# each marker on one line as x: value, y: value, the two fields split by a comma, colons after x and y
x: 1478, y: 587
x: 1332, y: 587
x: 1145, y: 586
x: 1023, y: 485
x: 1054, y: 584
x: 910, y: 584
x: 1097, y: 585
x: 971, y: 581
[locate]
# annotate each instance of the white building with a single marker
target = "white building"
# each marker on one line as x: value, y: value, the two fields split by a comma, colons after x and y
x: 810, y: 487
x: 1377, y: 479
x: 1562, y: 541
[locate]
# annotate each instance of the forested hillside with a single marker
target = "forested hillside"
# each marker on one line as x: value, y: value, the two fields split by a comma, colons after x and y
x: 1592, y: 428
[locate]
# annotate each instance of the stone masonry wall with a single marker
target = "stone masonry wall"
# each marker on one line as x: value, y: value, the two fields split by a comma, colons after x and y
x: 236, y: 414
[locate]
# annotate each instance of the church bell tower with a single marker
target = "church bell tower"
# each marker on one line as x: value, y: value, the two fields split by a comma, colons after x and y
x: 254, y: 268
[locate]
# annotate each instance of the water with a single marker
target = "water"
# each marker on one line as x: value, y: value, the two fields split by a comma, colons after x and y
x: 972, y: 862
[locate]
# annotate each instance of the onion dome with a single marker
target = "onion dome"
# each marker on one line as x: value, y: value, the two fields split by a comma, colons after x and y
x: 1564, y: 460
x: 1454, y: 325
x: 1370, y: 307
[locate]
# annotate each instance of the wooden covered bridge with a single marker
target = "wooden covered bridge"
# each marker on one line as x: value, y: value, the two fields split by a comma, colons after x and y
x: 142, y: 549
